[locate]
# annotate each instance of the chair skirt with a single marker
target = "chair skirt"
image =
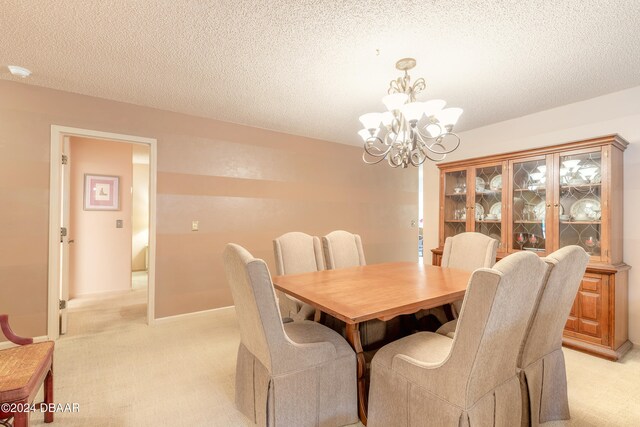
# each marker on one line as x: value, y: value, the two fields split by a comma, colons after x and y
x: 321, y: 396
x: 396, y: 401
x: 544, y: 390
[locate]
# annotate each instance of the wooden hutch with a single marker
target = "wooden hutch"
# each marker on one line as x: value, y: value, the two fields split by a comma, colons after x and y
x: 541, y: 200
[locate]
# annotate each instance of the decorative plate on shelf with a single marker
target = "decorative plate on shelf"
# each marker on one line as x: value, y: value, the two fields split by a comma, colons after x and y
x: 479, y: 210
x: 578, y: 180
x: 480, y: 184
x: 540, y: 210
x: 585, y: 209
x: 496, y: 183
x: 496, y: 209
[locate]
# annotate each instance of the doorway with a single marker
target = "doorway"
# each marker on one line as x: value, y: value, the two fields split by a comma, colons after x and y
x: 93, y: 248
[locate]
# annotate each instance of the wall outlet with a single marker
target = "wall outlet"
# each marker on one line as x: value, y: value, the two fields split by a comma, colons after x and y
x: 194, y: 225
x: 119, y: 223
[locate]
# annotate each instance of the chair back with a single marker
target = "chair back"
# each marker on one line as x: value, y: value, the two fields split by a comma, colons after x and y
x: 343, y: 249
x: 469, y: 251
x: 496, y: 311
x: 297, y: 252
x: 567, y: 267
x: 255, y: 301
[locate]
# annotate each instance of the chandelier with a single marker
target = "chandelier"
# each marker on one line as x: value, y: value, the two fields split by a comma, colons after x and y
x: 410, y: 131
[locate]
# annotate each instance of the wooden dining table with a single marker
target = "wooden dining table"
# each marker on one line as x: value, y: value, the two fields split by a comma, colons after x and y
x: 377, y: 291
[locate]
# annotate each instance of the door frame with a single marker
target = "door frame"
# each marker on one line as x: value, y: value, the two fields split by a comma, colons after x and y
x: 55, y: 189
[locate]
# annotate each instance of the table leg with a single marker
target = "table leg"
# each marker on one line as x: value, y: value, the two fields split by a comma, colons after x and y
x: 317, y: 316
x: 21, y: 419
x: 353, y: 336
x: 48, y: 395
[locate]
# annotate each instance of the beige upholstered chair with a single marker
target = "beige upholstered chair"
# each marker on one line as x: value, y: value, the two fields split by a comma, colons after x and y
x: 469, y: 251
x: 470, y: 380
x: 543, y: 376
x: 466, y: 251
x: 293, y: 374
x: 342, y: 250
x: 296, y: 253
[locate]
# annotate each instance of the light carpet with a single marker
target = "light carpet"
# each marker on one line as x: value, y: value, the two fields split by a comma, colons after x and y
x: 181, y: 373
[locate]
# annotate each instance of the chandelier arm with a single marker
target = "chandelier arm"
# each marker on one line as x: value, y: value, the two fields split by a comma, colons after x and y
x: 377, y: 154
x: 393, y: 162
x: 429, y: 155
x: 372, y: 162
x: 380, y: 152
x: 438, y: 143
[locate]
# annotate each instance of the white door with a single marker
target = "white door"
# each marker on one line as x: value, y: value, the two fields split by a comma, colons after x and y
x: 65, y: 240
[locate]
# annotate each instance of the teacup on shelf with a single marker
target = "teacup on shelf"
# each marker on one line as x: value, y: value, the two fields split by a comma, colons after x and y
x: 565, y: 217
x: 491, y: 217
x: 581, y: 217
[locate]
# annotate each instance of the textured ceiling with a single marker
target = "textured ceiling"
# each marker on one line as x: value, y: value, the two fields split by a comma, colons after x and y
x: 311, y: 67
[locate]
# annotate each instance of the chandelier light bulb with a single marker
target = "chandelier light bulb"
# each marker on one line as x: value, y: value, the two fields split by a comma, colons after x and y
x: 371, y: 120
x: 434, y: 130
x: 365, y: 134
x: 449, y: 116
x: 387, y: 118
x: 433, y: 107
x: 395, y: 101
x: 412, y: 111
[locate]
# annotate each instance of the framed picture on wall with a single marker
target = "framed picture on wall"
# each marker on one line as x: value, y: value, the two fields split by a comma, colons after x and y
x: 101, y: 193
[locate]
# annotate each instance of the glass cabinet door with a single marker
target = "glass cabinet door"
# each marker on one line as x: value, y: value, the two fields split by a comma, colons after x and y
x: 529, y: 205
x: 455, y: 203
x: 579, y: 205
x: 488, y: 202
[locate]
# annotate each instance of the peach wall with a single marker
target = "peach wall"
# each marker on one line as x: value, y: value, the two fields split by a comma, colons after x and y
x: 100, y: 257
x: 243, y: 184
x: 617, y: 112
x: 140, y: 208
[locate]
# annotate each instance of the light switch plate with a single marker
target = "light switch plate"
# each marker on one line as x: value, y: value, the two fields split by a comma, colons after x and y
x: 119, y: 223
x: 194, y: 225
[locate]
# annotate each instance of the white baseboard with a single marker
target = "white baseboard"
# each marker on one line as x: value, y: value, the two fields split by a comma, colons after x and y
x: 169, y: 319
x: 8, y: 344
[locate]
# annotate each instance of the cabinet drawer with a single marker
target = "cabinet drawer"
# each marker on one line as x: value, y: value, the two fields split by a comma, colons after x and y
x: 591, y: 284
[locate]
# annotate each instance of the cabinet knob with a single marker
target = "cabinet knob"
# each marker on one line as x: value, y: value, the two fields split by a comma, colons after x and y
x: 556, y: 204
x: 548, y: 205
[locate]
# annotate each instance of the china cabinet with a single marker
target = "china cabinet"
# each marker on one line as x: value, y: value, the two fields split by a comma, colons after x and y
x: 541, y: 200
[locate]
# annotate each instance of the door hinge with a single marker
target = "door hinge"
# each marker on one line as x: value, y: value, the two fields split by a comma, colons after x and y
x: 63, y: 304
x: 63, y: 233
x: 65, y: 159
